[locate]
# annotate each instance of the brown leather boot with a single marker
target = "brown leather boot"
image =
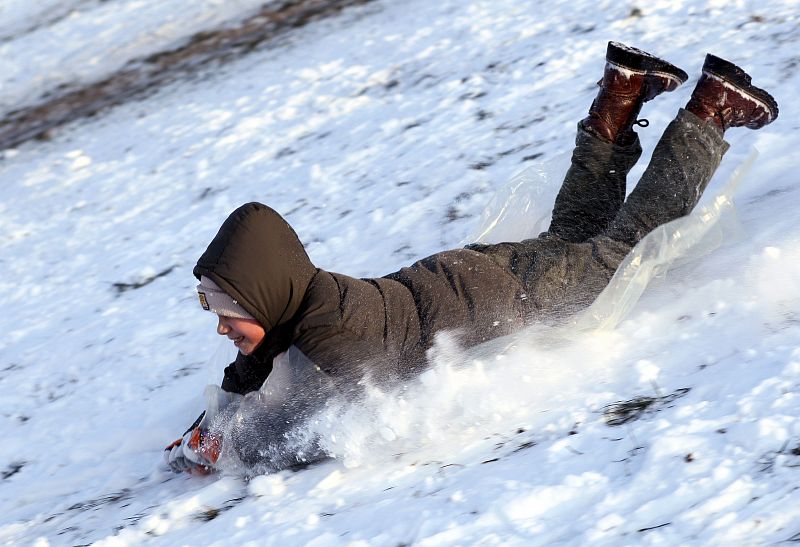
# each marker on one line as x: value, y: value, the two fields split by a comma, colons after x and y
x: 631, y: 78
x: 724, y: 96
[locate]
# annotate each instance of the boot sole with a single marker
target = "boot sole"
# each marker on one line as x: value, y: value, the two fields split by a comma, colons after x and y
x: 636, y: 60
x: 733, y: 75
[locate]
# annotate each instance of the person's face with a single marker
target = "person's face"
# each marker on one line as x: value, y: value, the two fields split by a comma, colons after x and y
x: 247, y: 334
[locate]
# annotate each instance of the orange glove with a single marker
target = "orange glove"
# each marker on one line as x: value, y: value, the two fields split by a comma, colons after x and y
x: 196, y: 452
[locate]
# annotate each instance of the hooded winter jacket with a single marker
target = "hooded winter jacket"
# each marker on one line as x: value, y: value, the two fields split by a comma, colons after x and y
x: 382, y: 327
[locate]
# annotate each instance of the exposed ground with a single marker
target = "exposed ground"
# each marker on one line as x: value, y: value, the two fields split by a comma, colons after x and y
x: 70, y: 102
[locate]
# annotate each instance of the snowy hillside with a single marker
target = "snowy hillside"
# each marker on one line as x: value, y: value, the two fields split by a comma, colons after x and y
x: 55, y: 42
x: 382, y: 134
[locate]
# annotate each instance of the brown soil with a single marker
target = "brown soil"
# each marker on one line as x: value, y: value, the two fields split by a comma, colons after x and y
x: 143, y: 76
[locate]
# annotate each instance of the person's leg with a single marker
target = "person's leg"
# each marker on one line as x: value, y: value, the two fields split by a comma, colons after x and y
x: 691, y: 149
x: 606, y: 147
x: 561, y: 277
x: 594, y: 187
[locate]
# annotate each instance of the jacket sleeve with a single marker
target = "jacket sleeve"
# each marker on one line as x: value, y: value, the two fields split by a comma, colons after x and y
x: 347, y: 358
x: 246, y: 374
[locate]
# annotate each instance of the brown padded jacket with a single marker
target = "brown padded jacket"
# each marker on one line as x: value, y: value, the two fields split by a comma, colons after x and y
x: 382, y: 327
x: 351, y: 327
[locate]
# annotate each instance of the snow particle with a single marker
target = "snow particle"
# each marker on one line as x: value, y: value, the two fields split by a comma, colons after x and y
x: 457, y: 496
x: 772, y: 252
x: 648, y: 371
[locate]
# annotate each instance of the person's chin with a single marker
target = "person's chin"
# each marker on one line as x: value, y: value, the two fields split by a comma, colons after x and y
x: 247, y: 348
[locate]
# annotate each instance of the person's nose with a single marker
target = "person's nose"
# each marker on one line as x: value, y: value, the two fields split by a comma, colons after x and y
x: 222, y: 328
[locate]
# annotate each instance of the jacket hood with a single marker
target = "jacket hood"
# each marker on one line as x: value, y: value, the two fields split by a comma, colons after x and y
x: 257, y: 258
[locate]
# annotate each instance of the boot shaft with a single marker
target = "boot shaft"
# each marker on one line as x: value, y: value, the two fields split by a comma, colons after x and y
x: 631, y: 77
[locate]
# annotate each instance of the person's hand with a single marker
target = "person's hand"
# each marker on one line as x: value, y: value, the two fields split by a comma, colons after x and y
x: 196, y: 452
x: 174, y: 458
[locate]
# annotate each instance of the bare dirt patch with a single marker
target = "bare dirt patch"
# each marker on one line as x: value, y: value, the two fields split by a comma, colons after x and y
x: 143, y: 76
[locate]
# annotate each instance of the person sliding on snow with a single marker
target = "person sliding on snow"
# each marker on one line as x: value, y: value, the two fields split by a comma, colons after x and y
x: 256, y: 276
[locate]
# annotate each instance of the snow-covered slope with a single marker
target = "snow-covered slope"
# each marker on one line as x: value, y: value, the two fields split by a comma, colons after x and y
x: 382, y: 134
x: 51, y: 43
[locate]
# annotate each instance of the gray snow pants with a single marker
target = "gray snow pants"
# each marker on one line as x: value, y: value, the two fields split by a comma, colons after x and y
x: 594, y: 226
x: 591, y: 200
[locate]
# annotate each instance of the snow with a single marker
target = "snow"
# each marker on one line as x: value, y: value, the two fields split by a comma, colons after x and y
x: 65, y: 42
x: 382, y: 134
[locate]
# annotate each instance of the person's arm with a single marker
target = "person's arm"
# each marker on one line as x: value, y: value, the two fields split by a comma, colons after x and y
x: 246, y: 374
